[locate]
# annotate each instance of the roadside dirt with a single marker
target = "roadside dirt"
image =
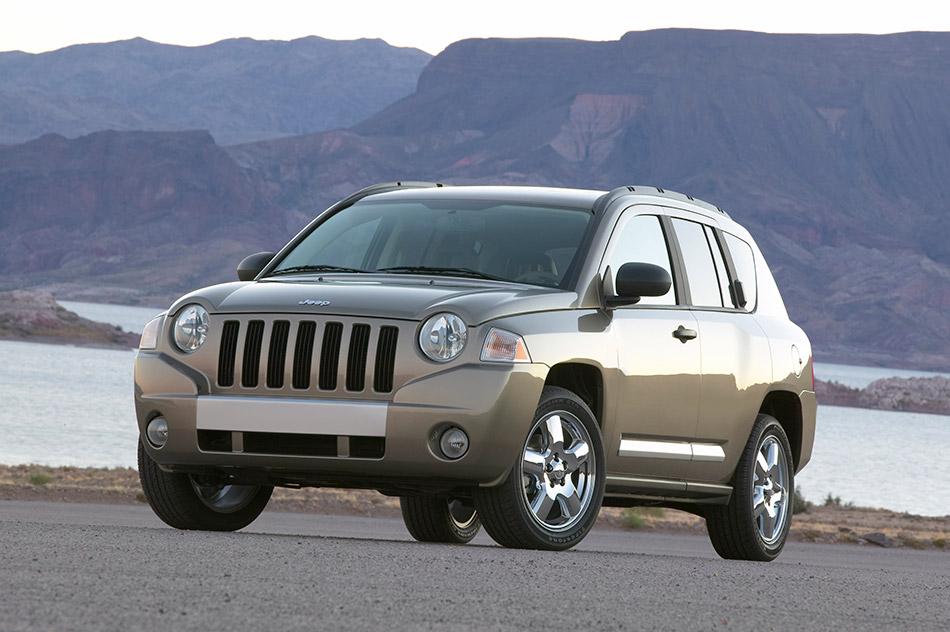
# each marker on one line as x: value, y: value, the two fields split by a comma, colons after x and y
x: 830, y: 524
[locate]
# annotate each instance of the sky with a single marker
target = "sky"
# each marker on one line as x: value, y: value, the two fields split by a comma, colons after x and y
x: 41, y: 25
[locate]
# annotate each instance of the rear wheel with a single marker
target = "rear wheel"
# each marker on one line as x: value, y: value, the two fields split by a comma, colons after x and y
x: 191, y: 501
x: 432, y: 519
x: 552, y: 496
x: 755, y: 523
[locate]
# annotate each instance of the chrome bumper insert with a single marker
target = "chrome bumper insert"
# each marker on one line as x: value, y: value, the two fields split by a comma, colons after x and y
x: 293, y: 416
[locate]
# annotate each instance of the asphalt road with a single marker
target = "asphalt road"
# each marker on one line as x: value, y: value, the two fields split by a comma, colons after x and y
x: 98, y: 567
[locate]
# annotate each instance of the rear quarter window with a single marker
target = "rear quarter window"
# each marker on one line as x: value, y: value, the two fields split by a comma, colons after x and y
x: 744, y: 261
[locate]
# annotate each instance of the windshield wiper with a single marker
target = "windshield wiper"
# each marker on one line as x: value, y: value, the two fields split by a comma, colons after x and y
x: 314, y: 268
x: 462, y: 272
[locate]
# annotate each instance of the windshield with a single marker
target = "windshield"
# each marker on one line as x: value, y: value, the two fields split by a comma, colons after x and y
x: 491, y: 240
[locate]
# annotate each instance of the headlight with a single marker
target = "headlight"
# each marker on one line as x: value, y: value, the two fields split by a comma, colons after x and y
x: 443, y: 337
x: 191, y: 328
x: 149, y: 338
x: 504, y: 346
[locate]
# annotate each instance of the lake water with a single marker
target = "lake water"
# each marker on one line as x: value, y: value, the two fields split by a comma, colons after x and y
x: 73, y: 406
x: 127, y: 317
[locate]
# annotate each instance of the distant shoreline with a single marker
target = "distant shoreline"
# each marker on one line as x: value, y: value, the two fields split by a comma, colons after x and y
x: 930, y: 395
x: 29, y: 316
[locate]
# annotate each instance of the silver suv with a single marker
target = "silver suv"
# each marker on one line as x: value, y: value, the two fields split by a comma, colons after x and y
x: 511, y: 357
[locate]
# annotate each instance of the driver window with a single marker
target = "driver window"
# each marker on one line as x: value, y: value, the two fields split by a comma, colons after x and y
x: 642, y: 241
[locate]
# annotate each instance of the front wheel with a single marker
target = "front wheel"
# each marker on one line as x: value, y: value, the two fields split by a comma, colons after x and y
x: 191, y: 501
x: 552, y: 496
x: 755, y: 523
x: 432, y: 519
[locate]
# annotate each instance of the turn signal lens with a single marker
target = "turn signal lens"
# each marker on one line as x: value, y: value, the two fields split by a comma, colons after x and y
x: 504, y: 346
x: 149, y: 338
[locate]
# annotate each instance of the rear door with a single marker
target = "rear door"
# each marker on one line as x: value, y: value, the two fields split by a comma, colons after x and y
x: 733, y: 347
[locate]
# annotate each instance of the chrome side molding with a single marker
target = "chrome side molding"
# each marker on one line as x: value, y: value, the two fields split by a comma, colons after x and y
x: 672, y: 450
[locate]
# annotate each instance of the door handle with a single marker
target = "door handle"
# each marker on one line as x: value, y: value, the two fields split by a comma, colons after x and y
x: 683, y: 334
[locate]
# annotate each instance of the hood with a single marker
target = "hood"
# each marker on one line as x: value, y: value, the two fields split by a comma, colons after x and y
x: 390, y: 297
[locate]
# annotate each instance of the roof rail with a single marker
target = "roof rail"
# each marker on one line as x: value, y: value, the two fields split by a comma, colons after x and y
x: 608, y: 198
x: 383, y: 187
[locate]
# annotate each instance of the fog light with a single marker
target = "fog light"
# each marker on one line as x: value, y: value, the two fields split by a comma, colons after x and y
x: 454, y: 443
x: 157, y: 432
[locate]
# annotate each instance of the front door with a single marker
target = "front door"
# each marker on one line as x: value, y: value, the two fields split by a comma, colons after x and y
x: 656, y: 403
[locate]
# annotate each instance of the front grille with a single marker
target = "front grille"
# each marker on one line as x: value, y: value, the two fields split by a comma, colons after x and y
x: 316, y: 349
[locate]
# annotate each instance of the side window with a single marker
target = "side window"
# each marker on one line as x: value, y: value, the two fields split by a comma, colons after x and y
x: 642, y: 241
x: 721, y: 272
x: 745, y: 268
x: 704, y: 285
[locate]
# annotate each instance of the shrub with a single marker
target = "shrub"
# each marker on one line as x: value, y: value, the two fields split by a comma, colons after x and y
x: 40, y: 478
x: 799, y: 504
x: 635, y: 517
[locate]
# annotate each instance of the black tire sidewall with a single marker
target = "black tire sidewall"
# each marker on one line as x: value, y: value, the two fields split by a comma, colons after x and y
x: 175, y: 501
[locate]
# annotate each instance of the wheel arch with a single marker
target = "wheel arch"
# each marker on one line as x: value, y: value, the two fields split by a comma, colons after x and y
x: 786, y: 407
x: 584, y: 380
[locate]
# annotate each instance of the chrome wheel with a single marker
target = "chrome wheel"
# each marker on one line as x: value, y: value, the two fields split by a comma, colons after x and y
x: 558, y: 471
x: 463, y: 514
x: 770, y: 490
x: 220, y: 497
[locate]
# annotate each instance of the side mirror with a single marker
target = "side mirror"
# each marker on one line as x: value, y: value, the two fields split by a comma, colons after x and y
x: 252, y: 265
x: 636, y: 280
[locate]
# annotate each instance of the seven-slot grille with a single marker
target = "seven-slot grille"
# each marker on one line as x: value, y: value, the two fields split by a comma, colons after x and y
x: 316, y: 349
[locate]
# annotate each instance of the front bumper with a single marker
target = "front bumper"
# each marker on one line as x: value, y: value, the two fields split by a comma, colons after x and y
x: 493, y: 404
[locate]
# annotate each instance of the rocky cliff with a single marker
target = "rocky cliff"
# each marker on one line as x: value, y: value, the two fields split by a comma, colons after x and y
x: 37, y: 317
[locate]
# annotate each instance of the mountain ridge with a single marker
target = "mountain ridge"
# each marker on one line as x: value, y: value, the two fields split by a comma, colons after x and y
x: 832, y: 150
x: 239, y: 89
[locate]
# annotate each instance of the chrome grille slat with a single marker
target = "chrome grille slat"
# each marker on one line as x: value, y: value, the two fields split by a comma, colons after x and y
x: 303, y: 354
x: 385, y: 359
x: 330, y: 356
x: 356, y: 360
x: 228, y: 352
x: 252, y: 354
x: 277, y: 353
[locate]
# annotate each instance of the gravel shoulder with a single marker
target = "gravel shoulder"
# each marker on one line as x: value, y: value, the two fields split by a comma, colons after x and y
x: 836, y: 524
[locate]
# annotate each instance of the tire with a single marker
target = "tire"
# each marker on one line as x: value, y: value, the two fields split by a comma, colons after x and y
x: 432, y: 519
x: 553, y: 494
x: 188, y: 501
x: 755, y: 523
